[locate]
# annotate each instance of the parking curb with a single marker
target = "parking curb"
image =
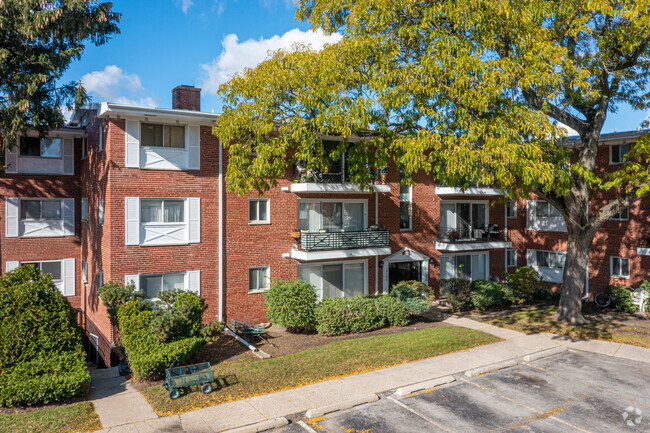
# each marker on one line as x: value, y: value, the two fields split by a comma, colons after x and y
x: 544, y: 353
x: 347, y: 404
x: 260, y: 426
x: 491, y: 367
x: 427, y: 384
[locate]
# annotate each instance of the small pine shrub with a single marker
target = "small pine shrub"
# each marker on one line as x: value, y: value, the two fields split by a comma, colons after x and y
x: 213, y: 330
x: 458, y: 293
x: 410, y: 297
x: 177, y: 315
x: 415, y: 306
x: 526, y: 281
x: 292, y: 304
x: 422, y: 290
x: 114, y: 295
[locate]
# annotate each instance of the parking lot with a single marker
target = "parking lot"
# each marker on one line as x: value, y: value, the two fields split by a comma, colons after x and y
x: 570, y: 392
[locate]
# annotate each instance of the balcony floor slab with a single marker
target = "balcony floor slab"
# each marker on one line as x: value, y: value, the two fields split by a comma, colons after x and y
x: 310, y: 256
x: 471, y: 246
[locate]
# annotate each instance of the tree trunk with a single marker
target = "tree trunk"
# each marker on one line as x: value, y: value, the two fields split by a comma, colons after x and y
x: 575, y: 275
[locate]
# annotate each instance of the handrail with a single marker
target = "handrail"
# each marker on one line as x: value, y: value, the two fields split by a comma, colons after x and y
x: 469, y: 233
x: 344, y: 240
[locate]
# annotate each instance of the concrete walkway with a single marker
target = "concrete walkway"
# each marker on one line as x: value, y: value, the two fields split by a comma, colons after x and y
x: 128, y: 411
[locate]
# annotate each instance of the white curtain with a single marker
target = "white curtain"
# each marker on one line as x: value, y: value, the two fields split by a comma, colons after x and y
x: 448, y: 217
x: 151, y: 211
x: 173, y: 281
x: 332, y: 281
x: 174, y: 211
x: 354, y: 279
x: 479, y: 270
x: 353, y: 217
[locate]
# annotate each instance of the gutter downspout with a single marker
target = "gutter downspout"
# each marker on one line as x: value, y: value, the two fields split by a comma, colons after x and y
x: 221, y: 306
x: 376, y: 260
x: 505, y: 233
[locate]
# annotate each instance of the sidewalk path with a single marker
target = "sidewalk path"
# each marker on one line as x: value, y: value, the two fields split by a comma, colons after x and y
x: 270, y: 406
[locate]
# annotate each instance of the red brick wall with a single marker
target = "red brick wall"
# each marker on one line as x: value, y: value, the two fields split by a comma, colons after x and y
x: 186, y: 98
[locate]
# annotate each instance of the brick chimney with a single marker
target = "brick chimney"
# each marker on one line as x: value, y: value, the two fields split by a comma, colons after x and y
x: 186, y: 98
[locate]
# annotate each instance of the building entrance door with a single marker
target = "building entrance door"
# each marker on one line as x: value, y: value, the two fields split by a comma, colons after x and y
x: 403, y: 271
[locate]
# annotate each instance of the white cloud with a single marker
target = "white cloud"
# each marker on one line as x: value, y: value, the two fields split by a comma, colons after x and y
x: 114, y: 85
x: 185, y: 5
x: 236, y: 55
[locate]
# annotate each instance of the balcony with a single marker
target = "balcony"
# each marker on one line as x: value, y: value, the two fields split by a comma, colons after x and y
x: 337, y: 245
x: 468, y: 238
x: 443, y: 190
x: 644, y: 245
x: 335, y: 181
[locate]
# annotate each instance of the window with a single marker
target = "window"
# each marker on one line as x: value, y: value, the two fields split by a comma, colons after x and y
x: 511, y: 209
x: 464, y: 266
x: 511, y: 259
x: 84, y: 271
x: 52, y: 267
x: 550, y: 259
x: 545, y: 210
x: 84, y: 148
x: 154, y: 135
x: 100, y: 212
x: 162, y: 210
x: 47, y: 209
x: 84, y: 209
x: 620, y: 267
x: 335, y: 280
x: 618, y: 152
x: 43, y: 147
x: 405, y: 206
x: 101, y: 139
x: 258, y: 279
x: 100, y: 279
x: 623, y: 215
x: 258, y: 210
x: 151, y: 285
x: 331, y: 216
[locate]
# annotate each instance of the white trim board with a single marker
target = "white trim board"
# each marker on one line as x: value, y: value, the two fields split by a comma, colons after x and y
x: 471, y: 246
x: 338, y: 254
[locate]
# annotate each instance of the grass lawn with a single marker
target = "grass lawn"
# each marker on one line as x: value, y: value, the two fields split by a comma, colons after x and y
x: 75, y: 417
x: 244, y: 379
x: 540, y: 318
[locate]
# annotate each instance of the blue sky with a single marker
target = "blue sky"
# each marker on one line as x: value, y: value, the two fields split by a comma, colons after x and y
x: 165, y: 43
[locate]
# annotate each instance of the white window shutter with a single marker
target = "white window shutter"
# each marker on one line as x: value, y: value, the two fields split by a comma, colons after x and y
x: 11, y: 265
x: 132, y: 229
x: 11, y: 217
x: 194, y: 281
x: 67, y: 205
x: 531, y: 258
x: 194, y: 148
x: 132, y: 147
x: 531, y: 215
x: 68, y: 156
x: 194, y: 219
x: 11, y: 158
x: 100, y: 212
x: 68, y: 277
x: 135, y: 279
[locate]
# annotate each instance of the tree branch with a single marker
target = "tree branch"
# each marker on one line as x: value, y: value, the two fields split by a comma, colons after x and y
x: 555, y: 112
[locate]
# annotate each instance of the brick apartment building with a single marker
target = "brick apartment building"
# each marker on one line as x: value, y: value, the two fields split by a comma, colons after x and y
x: 133, y: 194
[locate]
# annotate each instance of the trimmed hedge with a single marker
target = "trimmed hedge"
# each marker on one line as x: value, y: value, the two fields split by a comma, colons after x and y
x: 337, y: 316
x: 486, y: 294
x: 41, y: 353
x: 148, y: 356
x: 410, y: 295
x: 291, y: 303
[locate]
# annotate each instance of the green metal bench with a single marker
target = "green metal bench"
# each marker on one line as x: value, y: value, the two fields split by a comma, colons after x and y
x: 244, y: 327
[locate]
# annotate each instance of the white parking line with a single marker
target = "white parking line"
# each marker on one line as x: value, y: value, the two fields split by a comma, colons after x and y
x: 306, y: 427
x: 421, y: 415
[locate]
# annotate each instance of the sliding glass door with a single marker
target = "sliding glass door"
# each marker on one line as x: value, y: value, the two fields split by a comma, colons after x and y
x: 335, y: 280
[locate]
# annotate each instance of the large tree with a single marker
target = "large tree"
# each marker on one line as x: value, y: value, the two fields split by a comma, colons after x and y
x: 38, y: 41
x: 468, y: 90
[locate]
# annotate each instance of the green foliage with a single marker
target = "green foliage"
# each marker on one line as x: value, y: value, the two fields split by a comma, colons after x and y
x: 177, y: 315
x: 645, y: 285
x: 487, y: 294
x: 41, y: 354
x: 291, y: 303
x: 526, y: 281
x: 421, y: 289
x: 622, y: 297
x: 337, y: 316
x: 39, y: 41
x: 415, y: 306
x: 458, y: 293
x: 409, y: 293
x: 213, y: 330
x: 114, y: 295
x: 148, y: 356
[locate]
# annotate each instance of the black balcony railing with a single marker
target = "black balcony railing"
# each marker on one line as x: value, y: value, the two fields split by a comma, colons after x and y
x: 469, y: 233
x: 337, y: 174
x: 343, y: 240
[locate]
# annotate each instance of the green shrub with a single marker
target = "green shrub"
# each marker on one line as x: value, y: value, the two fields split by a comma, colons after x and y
x: 337, y: 316
x: 526, y: 281
x: 416, y: 306
x: 545, y: 294
x: 213, y: 330
x: 177, y: 315
x: 410, y: 296
x: 41, y: 353
x: 487, y: 294
x: 622, y: 297
x: 422, y: 290
x: 458, y: 293
x: 148, y: 356
x: 645, y: 285
x: 291, y: 303
x: 114, y: 295
x: 402, y: 292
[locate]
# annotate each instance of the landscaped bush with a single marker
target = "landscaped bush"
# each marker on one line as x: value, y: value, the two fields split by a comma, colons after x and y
x: 422, y: 290
x: 41, y: 354
x: 177, y: 315
x: 458, y: 293
x: 337, y: 316
x: 148, y: 356
x: 645, y: 285
x: 410, y: 296
x: 291, y: 303
x: 487, y: 294
x: 622, y: 297
x: 527, y: 282
x: 114, y: 295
